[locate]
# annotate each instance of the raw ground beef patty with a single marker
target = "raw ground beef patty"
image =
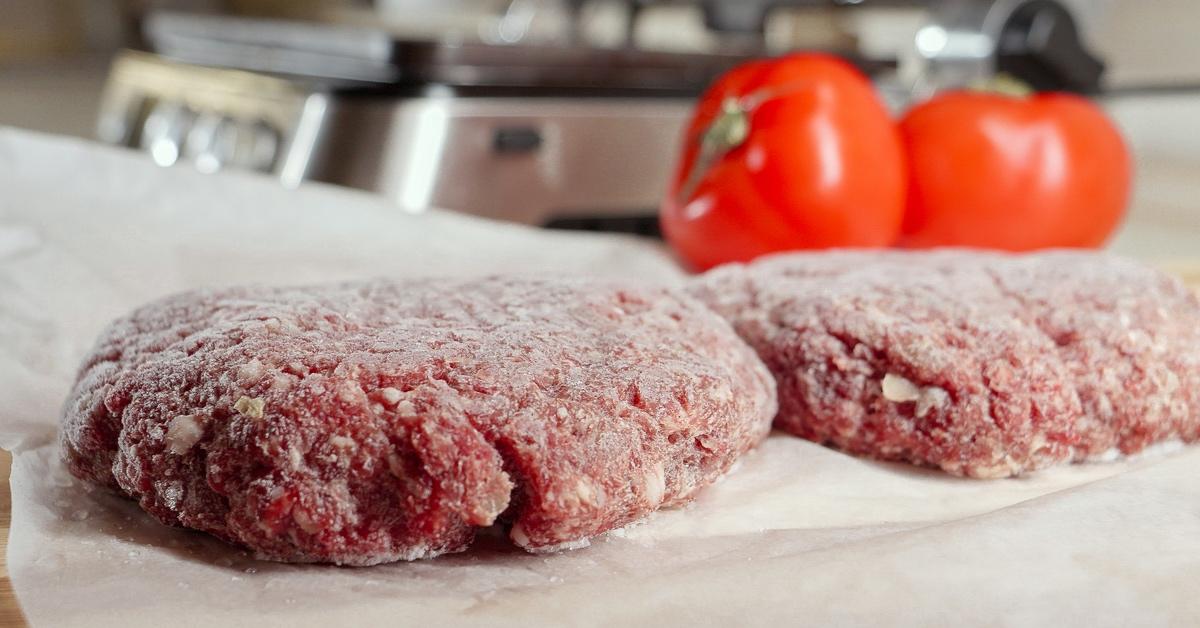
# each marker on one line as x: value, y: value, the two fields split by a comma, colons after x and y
x: 985, y: 365
x: 381, y: 421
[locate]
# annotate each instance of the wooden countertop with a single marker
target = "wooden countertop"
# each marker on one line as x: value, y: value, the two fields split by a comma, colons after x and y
x: 10, y: 612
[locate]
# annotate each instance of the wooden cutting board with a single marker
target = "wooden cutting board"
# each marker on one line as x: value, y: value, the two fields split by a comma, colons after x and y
x: 10, y: 612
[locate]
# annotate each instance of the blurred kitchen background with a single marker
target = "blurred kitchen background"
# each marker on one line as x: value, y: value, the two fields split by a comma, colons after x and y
x: 563, y: 113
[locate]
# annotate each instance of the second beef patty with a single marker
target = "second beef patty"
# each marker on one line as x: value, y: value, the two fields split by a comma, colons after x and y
x: 985, y: 365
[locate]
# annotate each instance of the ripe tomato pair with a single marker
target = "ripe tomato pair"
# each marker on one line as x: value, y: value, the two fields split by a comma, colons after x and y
x: 800, y: 153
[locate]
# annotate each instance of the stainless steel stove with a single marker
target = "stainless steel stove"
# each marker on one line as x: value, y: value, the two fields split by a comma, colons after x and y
x: 564, y: 135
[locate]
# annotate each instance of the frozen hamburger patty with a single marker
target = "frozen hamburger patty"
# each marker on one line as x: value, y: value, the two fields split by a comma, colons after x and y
x: 382, y: 421
x: 985, y: 365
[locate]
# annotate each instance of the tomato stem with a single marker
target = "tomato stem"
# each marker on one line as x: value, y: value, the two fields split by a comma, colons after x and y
x: 1006, y: 85
x: 727, y: 131
x: 730, y: 129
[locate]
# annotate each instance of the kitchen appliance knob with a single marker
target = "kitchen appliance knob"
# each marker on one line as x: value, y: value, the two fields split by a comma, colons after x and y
x: 1040, y: 44
x: 201, y: 146
x: 164, y: 130
x: 264, y: 147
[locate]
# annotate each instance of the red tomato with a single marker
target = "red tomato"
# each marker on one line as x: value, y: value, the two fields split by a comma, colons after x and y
x: 789, y: 153
x: 996, y: 171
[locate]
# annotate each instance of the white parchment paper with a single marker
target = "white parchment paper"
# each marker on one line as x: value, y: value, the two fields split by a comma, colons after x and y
x: 798, y: 535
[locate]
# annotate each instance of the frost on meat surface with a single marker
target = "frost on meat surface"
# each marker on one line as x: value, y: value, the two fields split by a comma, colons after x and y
x: 372, y: 422
x: 983, y: 364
